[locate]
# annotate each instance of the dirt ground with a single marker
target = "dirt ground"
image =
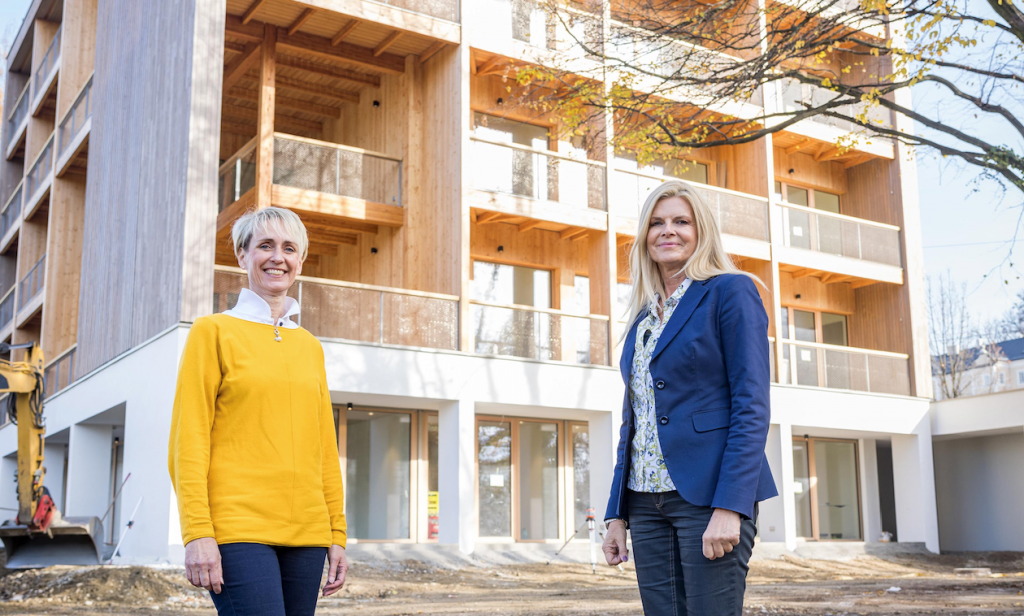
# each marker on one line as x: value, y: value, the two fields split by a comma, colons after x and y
x: 783, y: 586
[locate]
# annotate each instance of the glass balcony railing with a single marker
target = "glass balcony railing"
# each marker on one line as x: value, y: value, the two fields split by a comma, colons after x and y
x: 441, y: 9
x: 237, y: 176
x: 349, y: 311
x: 75, y: 119
x: 40, y: 171
x: 12, y: 210
x: 7, y: 308
x: 19, y: 111
x: 523, y: 171
x: 32, y: 284
x: 838, y: 367
x: 840, y: 235
x: 538, y: 333
x: 60, y: 373
x: 795, y: 96
x: 49, y: 60
x: 737, y: 213
x: 337, y: 169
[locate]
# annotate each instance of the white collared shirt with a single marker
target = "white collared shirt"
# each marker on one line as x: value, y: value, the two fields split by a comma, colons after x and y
x: 252, y: 307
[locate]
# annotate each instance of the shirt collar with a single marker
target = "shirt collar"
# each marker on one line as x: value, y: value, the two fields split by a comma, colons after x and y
x: 252, y: 307
x: 673, y: 299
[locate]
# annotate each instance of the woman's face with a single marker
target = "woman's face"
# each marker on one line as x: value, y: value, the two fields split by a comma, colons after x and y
x: 672, y: 234
x: 272, y: 261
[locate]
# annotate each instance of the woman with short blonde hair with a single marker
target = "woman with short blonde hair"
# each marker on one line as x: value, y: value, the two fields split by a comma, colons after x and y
x: 253, y: 452
x: 690, y: 466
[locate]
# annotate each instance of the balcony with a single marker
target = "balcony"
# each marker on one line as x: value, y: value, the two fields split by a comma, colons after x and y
x: 363, y: 313
x: 503, y: 25
x: 30, y: 291
x: 447, y: 10
x: 73, y: 133
x: 515, y: 182
x: 811, y: 364
x: 742, y: 218
x: 817, y: 241
x: 17, y: 122
x: 39, y: 179
x: 44, y: 78
x: 539, y: 333
x: 332, y: 187
x: 59, y: 373
x: 10, y: 216
x: 6, y: 311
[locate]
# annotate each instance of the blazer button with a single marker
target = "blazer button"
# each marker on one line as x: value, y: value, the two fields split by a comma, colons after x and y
x: 660, y: 384
x: 664, y: 420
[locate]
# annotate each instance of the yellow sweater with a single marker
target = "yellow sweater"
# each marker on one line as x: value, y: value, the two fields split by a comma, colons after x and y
x: 253, y: 450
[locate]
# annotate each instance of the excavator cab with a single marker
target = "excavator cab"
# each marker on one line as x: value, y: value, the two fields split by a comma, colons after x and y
x: 39, y: 536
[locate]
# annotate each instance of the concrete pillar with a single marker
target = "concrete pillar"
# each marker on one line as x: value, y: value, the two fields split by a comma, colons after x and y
x: 913, y: 478
x: 871, y: 509
x: 54, y: 464
x: 89, y: 453
x: 8, y: 488
x: 604, y: 439
x: 771, y: 521
x: 456, y: 474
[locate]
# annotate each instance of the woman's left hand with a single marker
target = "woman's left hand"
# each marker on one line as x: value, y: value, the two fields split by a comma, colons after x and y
x: 722, y: 534
x: 337, y: 571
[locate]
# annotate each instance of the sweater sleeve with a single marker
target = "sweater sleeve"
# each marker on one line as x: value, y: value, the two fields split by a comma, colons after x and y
x: 334, y: 490
x: 199, y: 379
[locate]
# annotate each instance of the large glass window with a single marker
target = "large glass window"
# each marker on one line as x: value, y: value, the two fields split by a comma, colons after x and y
x: 838, y: 503
x: 378, y: 478
x: 507, y: 331
x: 494, y: 442
x: 580, y: 460
x: 538, y: 480
x: 802, y: 490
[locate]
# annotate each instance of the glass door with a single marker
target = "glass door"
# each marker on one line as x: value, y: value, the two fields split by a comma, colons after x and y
x: 494, y: 469
x: 802, y: 490
x: 826, y: 490
x: 538, y: 480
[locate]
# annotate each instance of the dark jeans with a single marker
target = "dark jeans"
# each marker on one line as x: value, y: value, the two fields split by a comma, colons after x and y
x: 265, y: 580
x: 675, y: 577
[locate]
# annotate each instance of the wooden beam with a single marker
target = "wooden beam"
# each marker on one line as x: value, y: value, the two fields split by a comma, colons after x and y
x: 342, y: 96
x: 321, y: 48
x: 265, y: 118
x: 292, y: 29
x: 623, y: 240
x: 487, y: 66
x: 860, y: 284
x: 236, y: 128
x: 797, y: 147
x: 430, y: 51
x: 529, y: 224
x: 387, y: 42
x: 572, y: 233
x: 234, y: 47
x: 335, y: 229
x: 472, y: 61
x: 345, y: 31
x: 857, y: 161
x: 234, y: 113
x: 251, y: 11
x: 287, y: 103
x: 240, y: 65
x: 248, y: 32
x: 581, y: 236
x: 335, y: 72
x: 803, y: 273
x: 487, y: 217
x: 826, y: 152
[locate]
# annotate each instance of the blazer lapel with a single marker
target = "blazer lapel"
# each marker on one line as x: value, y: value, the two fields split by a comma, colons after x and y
x: 681, y: 315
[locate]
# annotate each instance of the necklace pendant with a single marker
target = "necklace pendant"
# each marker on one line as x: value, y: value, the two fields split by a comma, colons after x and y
x: 277, y: 335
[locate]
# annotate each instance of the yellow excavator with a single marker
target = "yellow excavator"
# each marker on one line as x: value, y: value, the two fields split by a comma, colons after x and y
x: 39, y: 536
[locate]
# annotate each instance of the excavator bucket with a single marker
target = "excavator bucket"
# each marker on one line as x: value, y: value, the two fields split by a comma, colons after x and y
x: 69, y: 541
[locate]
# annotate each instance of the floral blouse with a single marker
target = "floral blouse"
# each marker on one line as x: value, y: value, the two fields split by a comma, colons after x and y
x: 647, y: 470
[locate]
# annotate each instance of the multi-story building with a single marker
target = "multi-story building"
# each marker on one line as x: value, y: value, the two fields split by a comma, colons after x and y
x: 988, y: 369
x: 466, y: 271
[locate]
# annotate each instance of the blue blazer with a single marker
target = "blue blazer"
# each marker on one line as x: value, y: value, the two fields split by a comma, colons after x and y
x: 711, y: 378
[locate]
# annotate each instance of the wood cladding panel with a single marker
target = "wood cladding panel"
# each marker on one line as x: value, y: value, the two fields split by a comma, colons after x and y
x: 874, y: 192
x: 878, y: 321
x: 763, y: 270
x: 807, y: 172
x: 741, y: 167
x: 78, y: 51
x: 815, y: 295
x: 534, y: 248
x: 63, y: 265
x: 149, y: 122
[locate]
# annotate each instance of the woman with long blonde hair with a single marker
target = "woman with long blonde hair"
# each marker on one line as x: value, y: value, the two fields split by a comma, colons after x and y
x: 690, y: 466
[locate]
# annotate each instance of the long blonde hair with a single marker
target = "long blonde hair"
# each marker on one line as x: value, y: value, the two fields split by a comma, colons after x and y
x: 708, y: 259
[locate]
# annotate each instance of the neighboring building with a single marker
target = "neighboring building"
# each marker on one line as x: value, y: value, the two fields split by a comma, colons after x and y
x: 988, y: 370
x: 466, y: 270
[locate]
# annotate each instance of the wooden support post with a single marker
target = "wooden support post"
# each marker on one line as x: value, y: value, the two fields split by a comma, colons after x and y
x: 265, y: 119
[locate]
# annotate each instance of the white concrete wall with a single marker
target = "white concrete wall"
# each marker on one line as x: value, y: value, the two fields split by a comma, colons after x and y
x: 979, y: 485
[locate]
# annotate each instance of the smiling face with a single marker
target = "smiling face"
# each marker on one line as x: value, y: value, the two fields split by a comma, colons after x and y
x: 272, y: 260
x: 672, y: 234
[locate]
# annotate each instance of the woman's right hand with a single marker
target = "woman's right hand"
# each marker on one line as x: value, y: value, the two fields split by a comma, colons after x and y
x: 615, y: 551
x: 202, y: 564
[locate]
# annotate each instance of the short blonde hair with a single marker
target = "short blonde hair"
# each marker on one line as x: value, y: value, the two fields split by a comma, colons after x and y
x: 709, y: 258
x: 255, y: 221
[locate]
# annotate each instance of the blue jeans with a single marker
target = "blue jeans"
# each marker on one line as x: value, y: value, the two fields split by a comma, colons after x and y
x: 266, y: 580
x: 675, y: 577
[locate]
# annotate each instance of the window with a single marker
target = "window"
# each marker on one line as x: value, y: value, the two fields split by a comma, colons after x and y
x: 1020, y: 377
x: 579, y: 458
x: 826, y: 489
x: 805, y: 229
x: 986, y: 380
x: 513, y: 331
x: 809, y: 365
x: 378, y: 475
x: 1002, y: 378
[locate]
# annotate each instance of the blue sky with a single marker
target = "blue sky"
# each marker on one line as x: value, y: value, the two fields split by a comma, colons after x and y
x: 966, y: 230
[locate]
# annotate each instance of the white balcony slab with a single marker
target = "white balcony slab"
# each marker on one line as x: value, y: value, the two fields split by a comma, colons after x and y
x: 840, y: 265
